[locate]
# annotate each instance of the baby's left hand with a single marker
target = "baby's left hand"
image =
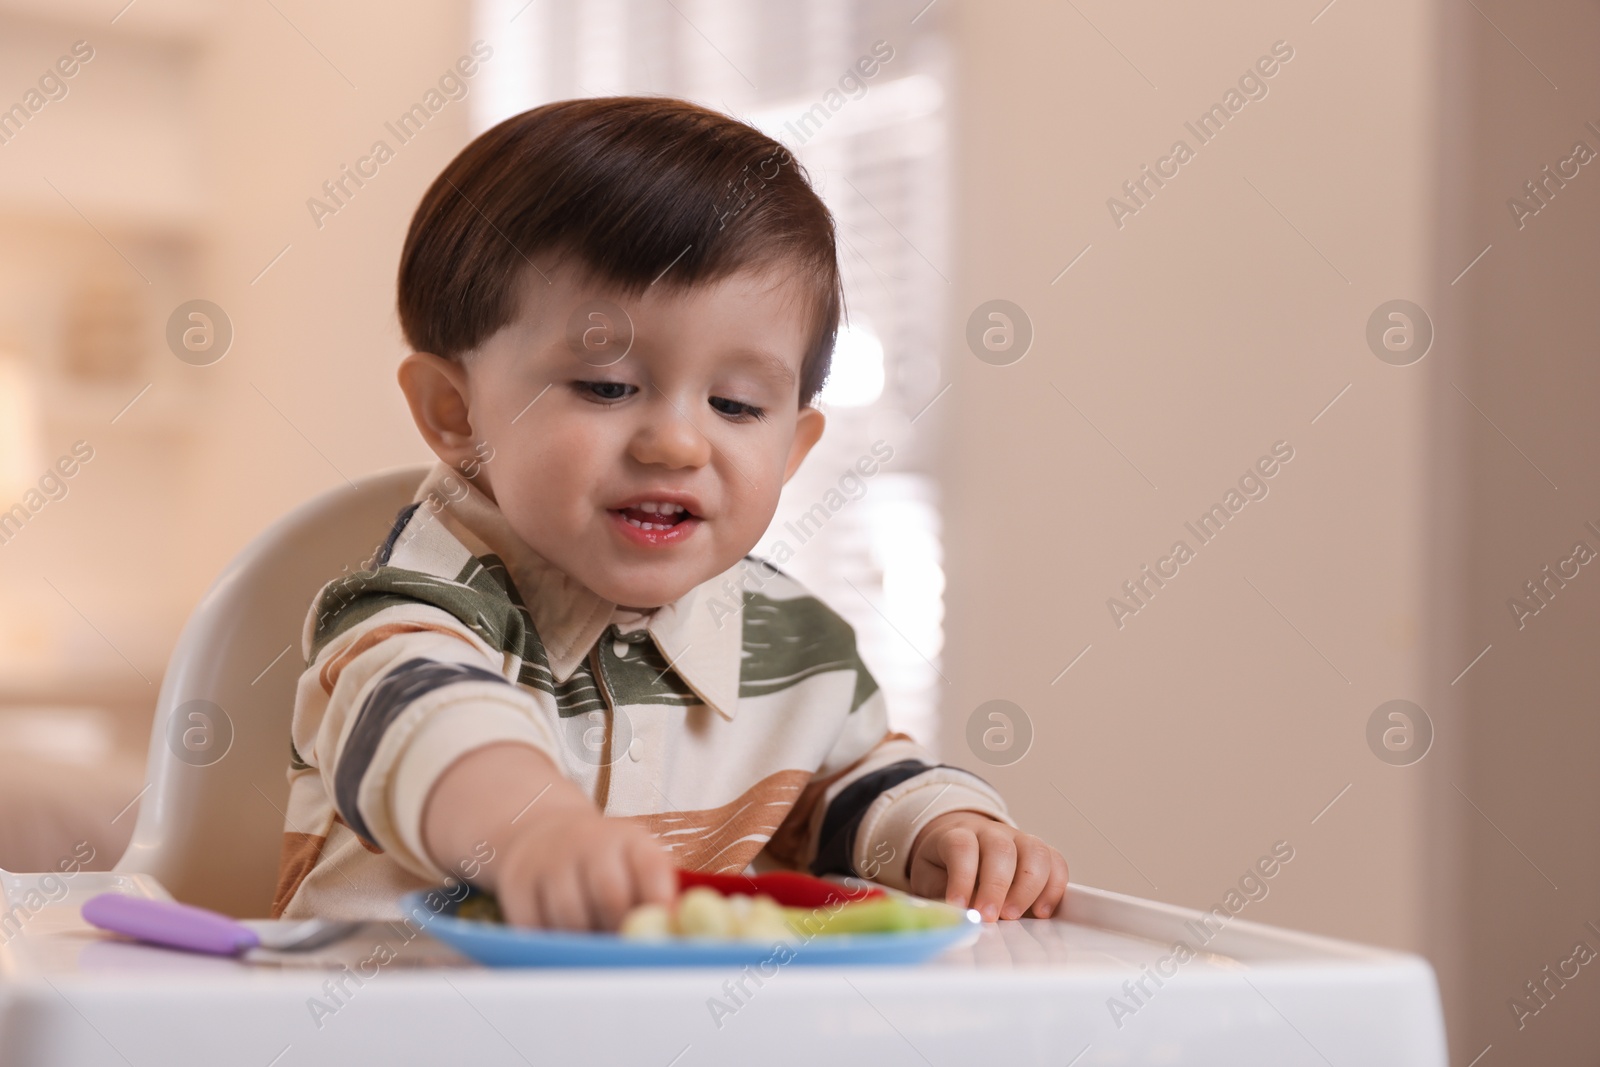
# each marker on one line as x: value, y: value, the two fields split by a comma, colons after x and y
x: 1011, y: 871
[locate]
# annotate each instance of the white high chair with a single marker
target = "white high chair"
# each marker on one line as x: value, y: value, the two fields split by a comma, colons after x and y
x: 211, y: 816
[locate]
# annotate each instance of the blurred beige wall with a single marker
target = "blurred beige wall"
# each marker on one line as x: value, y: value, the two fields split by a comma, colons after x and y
x: 305, y: 397
x: 1220, y: 319
x: 1224, y: 315
x: 309, y: 397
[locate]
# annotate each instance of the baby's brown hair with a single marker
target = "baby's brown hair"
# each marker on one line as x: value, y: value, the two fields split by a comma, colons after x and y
x: 636, y: 189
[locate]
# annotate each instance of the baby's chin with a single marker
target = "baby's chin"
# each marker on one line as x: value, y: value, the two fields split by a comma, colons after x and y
x: 644, y: 593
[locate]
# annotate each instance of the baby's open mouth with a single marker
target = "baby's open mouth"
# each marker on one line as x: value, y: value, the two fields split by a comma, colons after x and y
x: 651, y: 515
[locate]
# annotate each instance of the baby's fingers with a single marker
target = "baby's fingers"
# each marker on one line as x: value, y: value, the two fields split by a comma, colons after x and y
x: 958, y: 854
x: 655, y: 880
x: 1032, y: 875
x: 1055, y: 889
x: 609, y: 885
x: 561, y: 901
x: 520, y: 908
x: 997, y: 865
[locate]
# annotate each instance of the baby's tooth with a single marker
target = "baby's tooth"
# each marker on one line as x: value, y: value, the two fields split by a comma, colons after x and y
x: 650, y: 506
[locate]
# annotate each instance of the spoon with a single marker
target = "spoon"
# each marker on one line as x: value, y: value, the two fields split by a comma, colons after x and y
x: 184, y: 926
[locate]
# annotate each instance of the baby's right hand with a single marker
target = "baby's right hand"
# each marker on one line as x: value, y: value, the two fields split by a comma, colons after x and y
x: 572, y: 868
x: 555, y: 860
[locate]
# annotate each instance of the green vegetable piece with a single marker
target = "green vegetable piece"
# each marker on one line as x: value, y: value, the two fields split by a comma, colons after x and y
x: 480, y: 907
x: 879, y: 916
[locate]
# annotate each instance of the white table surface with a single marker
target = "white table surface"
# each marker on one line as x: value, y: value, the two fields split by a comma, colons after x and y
x: 1028, y: 992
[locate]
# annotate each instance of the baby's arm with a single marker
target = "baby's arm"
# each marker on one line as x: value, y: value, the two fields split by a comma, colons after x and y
x: 557, y: 861
x: 430, y: 752
x: 881, y: 807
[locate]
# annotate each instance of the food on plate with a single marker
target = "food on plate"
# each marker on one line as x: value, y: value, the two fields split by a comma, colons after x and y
x: 881, y: 916
x: 789, y: 888
x: 480, y: 906
x: 702, y: 912
x: 777, y: 906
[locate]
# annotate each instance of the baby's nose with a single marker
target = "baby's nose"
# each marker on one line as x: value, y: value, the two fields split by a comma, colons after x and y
x: 669, y: 438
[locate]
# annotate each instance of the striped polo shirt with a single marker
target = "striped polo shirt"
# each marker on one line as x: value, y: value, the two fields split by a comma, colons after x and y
x: 737, y: 724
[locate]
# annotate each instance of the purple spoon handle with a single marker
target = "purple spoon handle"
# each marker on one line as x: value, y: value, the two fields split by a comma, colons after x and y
x: 165, y: 922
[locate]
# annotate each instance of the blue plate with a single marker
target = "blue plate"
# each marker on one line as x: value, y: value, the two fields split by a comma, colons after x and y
x: 495, y: 945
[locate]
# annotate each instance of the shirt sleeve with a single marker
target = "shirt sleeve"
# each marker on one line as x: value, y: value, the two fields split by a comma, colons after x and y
x: 387, y: 705
x: 873, y: 794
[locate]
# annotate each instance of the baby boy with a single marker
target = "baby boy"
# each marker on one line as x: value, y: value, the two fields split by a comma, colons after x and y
x: 622, y: 311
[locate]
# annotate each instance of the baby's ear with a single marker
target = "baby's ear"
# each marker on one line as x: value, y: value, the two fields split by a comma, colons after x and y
x: 436, y: 391
x: 807, y: 431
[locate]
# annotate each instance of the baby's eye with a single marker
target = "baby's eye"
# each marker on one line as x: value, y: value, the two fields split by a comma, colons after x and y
x: 737, y: 410
x: 604, y: 391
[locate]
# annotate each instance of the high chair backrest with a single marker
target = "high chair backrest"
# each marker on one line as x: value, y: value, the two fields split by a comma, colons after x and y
x: 211, y: 817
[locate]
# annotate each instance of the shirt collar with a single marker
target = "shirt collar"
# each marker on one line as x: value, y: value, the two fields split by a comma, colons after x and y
x: 700, y: 634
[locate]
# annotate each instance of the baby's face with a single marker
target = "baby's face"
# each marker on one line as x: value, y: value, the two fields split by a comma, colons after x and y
x: 643, y: 477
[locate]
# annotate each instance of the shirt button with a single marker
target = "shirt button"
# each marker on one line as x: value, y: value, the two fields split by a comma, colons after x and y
x: 619, y: 648
x: 636, y: 749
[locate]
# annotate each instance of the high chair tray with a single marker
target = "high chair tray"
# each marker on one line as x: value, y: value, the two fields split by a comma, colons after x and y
x: 1099, y: 984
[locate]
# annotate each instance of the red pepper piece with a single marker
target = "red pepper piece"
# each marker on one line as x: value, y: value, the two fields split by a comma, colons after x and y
x: 791, y: 889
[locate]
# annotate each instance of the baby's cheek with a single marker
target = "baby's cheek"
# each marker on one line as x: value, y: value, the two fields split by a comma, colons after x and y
x: 546, y: 527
